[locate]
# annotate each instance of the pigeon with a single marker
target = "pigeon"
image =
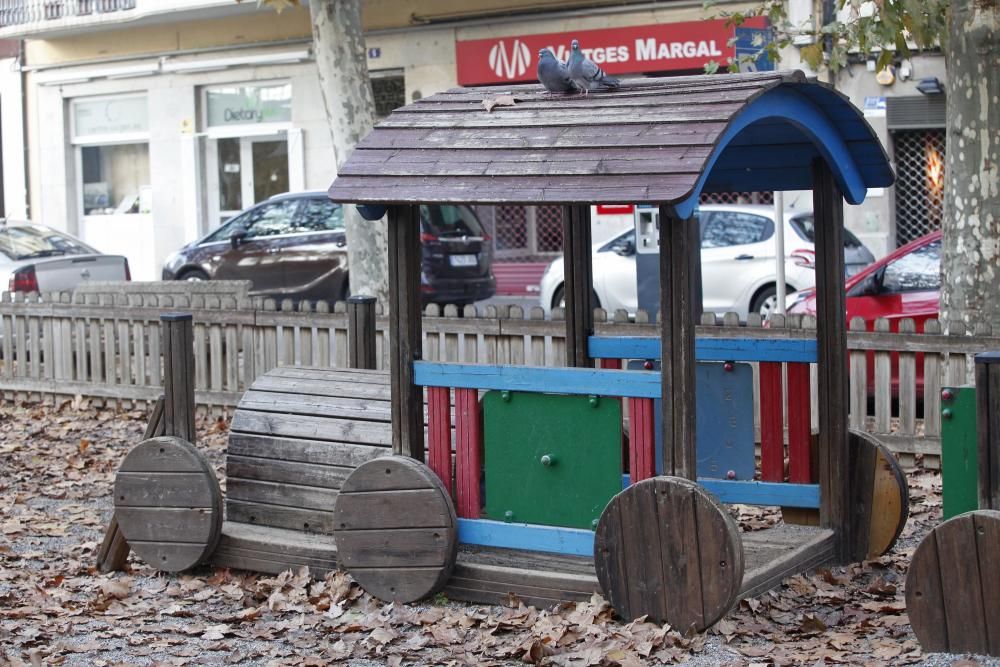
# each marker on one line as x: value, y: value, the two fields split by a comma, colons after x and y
x: 553, y: 73
x: 585, y: 73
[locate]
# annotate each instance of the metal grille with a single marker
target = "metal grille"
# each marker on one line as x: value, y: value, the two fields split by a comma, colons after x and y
x: 737, y: 198
x: 548, y: 229
x: 919, y: 182
x: 511, y: 237
x: 389, y: 93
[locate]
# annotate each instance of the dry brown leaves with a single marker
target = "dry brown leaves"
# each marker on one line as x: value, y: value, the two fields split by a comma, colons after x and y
x: 57, y: 468
x: 499, y: 101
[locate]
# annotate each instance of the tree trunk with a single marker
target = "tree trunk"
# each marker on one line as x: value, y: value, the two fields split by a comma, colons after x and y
x: 341, y: 61
x: 970, y: 263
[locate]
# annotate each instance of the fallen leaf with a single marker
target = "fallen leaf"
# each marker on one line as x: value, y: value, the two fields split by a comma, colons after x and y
x: 499, y: 101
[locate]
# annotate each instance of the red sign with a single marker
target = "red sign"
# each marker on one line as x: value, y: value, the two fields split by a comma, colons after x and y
x: 615, y: 209
x: 644, y: 48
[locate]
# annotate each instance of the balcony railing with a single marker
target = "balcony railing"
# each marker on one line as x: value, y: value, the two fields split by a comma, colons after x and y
x: 21, y: 12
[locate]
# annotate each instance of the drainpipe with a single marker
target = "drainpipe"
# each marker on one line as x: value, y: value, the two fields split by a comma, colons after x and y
x: 24, y: 129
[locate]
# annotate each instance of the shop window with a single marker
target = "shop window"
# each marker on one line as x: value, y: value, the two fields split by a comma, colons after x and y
x: 116, y: 179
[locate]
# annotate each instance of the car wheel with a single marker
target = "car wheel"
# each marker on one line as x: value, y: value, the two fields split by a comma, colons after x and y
x: 194, y: 276
x: 765, y: 301
x: 559, y: 298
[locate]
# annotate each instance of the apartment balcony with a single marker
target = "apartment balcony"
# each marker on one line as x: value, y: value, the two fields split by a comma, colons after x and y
x: 40, y: 19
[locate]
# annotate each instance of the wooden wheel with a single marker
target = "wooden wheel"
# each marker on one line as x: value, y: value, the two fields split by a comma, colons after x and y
x: 952, y: 586
x: 395, y: 528
x: 168, y: 504
x: 667, y: 549
x: 879, y: 496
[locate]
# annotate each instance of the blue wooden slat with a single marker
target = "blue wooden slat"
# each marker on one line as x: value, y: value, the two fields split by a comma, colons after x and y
x: 707, y: 349
x: 580, y: 381
x: 763, y: 493
x: 551, y: 539
x: 758, y: 493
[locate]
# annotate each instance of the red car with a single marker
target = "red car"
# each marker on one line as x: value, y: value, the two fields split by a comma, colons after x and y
x: 904, y: 284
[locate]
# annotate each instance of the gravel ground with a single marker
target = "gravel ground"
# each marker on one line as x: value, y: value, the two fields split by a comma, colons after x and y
x: 56, y: 467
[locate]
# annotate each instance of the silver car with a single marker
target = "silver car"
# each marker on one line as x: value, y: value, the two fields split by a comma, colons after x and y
x: 36, y: 258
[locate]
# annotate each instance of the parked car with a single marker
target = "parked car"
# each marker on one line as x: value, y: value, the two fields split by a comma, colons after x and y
x: 294, y: 246
x: 737, y: 260
x: 904, y: 284
x: 36, y: 258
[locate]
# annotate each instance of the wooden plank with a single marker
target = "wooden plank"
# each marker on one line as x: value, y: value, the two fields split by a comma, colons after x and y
x: 114, y: 550
x: 536, y: 538
x: 319, y: 452
x: 361, y: 332
x: 167, y: 524
x: 907, y: 384
x: 988, y: 431
x: 816, y: 547
x: 961, y: 586
x: 405, y: 330
x: 932, y: 385
x: 313, y: 428
x: 290, y: 472
x: 367, y: 409
x: 799, y: 428
x: 157, y: 489
x: 859, y: 381
x: 745, y: 492
x: 713, y: 348
x: 987, y: 534
x: 179, y: 375
x: 389, y: 509
x: 439, y: 433
x: 772, y: 424
x: 281, y: 493
x: 382, y: 548
x: 883, y: 383
x: 679, y: 312
x: 268, y: 540
x: 278, y: 516
x: 831, y: 339
x: 468, y: 453
x: 578, y: 277
x: 642, y: 439
x: 576, y: 381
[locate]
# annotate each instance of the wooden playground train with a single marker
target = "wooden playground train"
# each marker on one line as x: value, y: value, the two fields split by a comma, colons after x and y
x: 530, y: 486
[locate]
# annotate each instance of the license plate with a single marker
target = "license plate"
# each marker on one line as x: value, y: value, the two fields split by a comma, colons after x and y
x: 463, y: 260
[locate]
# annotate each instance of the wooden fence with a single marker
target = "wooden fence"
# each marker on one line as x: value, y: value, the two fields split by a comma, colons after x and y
x: 106, y: 346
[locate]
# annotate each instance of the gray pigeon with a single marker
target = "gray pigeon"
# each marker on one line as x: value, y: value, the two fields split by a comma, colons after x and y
x: 585, y: 73
x: 554, y: 74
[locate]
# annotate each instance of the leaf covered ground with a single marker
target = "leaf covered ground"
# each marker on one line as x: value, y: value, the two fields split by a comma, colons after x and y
x: 57, y: 464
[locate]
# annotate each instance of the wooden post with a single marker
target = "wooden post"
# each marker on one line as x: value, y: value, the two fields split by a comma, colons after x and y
x: 178, y: 375
x: 831, y: 338
x: 578, y: 284
x: 988, y: 429
x: 361, y: 332
x: 680, y: 257
x: 405, y: 330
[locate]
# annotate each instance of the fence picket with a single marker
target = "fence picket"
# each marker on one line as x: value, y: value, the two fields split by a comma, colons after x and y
x: 883, y: 382
x: 907, y: 385
x: 932, y: 385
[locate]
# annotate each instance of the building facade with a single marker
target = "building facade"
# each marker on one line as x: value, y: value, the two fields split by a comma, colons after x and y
x: 148, y: 122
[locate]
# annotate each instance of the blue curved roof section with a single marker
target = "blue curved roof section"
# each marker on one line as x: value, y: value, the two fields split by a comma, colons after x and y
x: 771, y: 143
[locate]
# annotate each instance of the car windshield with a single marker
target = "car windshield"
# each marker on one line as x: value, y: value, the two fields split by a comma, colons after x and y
x: 33, y: 242
x: 450, y: 221
x: 806, y: 229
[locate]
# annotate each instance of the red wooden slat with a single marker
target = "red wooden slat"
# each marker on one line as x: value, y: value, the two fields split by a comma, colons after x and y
x: 772, y: 455
x: 468, y: 453
x: 642, y: 440
x: 439, y: 433
x: 799, y: 424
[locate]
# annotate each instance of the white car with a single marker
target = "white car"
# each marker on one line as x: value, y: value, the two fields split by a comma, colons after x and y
x: 737, y: 261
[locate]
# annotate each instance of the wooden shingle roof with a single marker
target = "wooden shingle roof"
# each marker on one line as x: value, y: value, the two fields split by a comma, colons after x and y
x: 651, y: 141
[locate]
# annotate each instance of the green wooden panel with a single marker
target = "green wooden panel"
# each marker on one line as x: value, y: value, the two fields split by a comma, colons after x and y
x: 959, y: 467
x: 550, y: 459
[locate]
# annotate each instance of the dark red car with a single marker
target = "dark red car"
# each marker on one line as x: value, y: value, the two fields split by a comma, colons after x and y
x: 904, y: 284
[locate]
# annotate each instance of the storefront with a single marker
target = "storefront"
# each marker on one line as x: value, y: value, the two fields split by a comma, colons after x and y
x: 110, y: 139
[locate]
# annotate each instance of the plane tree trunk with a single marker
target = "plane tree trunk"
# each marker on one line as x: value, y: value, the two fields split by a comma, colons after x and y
x: 970, y: 262
x: 342, y: 65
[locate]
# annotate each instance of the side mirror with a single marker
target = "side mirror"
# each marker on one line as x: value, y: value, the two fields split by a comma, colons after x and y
x: 625, y: 248
x: 870, y: 286
x: 237, y: 237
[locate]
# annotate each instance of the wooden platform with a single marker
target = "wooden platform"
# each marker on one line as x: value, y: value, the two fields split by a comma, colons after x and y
x: 491, y: 576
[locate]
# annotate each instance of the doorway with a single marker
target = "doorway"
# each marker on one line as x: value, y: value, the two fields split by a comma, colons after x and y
x: 249, y: 170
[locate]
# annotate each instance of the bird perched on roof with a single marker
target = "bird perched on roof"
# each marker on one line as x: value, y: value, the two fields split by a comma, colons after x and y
x: 553, y: 73
x: 585, y: 73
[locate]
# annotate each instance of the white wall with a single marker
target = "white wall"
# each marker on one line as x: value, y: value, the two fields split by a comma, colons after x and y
x: 12, y: 133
